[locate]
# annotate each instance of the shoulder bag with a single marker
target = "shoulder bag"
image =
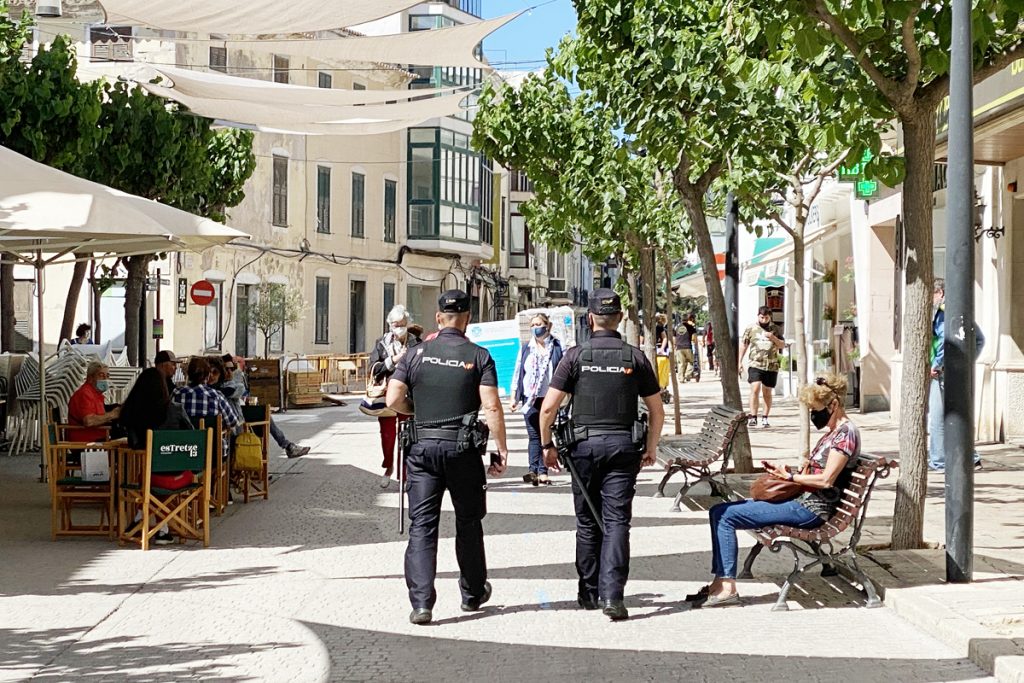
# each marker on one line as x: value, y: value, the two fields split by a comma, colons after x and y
x: 774, y: 490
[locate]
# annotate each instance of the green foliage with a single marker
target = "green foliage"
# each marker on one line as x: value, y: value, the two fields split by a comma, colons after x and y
x: 589, y: 184
x: 276, y: 307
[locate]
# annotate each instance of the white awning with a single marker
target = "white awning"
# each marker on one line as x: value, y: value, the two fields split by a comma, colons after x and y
x: 250, y: 17
x: 453, y: 46
x: 784, y: 250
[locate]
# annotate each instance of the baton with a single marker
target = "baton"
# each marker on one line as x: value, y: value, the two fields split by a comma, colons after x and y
x: 567, y: 462
x: 401, y: 478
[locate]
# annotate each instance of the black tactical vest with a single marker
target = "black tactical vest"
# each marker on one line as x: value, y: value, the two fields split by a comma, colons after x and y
x: 447, y: 382
x: 606, y: 391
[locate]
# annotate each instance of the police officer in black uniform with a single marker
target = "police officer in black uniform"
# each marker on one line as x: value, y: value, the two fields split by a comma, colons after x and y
x: 448, y: 380
x: 605, y: 376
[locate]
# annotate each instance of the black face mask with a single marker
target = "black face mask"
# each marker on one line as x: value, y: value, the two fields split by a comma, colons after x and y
x: 765, y: 326
x: 820, y: 418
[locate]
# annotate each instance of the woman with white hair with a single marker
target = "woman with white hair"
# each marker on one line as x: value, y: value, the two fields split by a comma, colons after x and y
x: 401, y: 335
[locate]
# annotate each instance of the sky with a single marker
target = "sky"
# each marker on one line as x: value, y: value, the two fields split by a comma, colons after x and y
x: 520, y: 45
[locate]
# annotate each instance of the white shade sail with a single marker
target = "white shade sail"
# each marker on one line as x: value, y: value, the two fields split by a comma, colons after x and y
x: 287, y: 113
x: 249, y: 17
x: 44, y: 209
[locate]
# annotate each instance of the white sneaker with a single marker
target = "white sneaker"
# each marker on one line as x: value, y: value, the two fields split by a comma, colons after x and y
x: 764, y: 422
x: 163, y: 538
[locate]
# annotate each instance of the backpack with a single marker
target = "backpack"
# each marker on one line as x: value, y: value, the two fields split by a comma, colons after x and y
x: 248, y: 452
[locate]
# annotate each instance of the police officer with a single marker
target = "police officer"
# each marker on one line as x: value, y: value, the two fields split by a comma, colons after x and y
x: 605, y: 376
x: 447, y: 379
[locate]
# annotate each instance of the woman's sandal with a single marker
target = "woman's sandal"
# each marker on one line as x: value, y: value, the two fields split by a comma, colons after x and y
x: 701, y: 595
x: 715, y: 601
x: 542, y: 479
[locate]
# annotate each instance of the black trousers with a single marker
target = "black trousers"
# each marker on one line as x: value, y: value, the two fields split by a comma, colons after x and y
x: 432, y: 467
x: 607, y: 466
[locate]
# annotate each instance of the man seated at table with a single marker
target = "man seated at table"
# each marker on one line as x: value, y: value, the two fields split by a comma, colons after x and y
x: 167, y: 365
x: 200, y: 400
x: 86, y: 408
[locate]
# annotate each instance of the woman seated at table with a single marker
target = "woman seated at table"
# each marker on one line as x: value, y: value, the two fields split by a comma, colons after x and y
x: 826, y: 474
x: 148, y: 406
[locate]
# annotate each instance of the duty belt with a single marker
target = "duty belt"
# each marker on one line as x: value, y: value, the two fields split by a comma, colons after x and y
x: 439, y: 434
x: 605, y: 431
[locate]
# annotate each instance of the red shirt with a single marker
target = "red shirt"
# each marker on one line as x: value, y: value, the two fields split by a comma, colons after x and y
x: 86, y: 401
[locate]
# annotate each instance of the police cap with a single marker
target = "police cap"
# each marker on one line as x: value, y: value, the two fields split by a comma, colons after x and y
x: 604, y: 302
x: 453, y: 301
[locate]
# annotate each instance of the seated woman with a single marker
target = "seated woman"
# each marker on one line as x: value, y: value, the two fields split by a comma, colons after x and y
x: 148, y: 406
x: 826, y: 474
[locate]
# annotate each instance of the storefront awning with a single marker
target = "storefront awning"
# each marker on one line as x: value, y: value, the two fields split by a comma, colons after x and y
x: 769, y: 265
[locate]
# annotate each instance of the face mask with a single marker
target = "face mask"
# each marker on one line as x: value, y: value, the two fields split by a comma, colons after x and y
x: 539, y: 332
x: 399, y: 331
x: 765, y: 326
x: 820, y: 418
x: 102, y: 385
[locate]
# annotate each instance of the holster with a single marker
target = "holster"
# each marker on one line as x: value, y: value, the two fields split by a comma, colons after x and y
x: 407, y: 435
x: 640, y: 433
x: 473, y: 435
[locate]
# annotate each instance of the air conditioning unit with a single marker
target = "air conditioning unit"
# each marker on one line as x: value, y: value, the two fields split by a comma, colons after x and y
x: 49, y: 8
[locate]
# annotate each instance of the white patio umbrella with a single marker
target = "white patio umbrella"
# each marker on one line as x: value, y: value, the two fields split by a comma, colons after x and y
x: 46, y: 215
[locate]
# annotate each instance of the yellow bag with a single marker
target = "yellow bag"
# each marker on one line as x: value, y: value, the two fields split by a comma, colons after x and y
x: 664, y: 371
x: 248, y: 452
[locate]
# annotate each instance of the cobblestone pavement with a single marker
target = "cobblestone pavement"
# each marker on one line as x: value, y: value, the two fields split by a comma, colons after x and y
x: 308, y: 587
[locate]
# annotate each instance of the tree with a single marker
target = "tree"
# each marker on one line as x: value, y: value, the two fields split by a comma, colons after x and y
x: 276, y: 307
x: 590, y: 187
x: 47, y: 115
x: 902, y: 46
x: 157, y: 151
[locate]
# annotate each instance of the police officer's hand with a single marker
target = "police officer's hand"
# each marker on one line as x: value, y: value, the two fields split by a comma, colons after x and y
x: 647, y: 459
x: 497, y: 470
x: 551, y: 459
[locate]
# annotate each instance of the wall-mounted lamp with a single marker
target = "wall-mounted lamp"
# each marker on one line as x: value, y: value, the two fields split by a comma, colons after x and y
x: 979, y: 223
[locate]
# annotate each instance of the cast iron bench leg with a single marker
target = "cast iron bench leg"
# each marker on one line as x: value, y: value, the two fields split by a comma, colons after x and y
x: 679, y: 498
x: 664, y: 480
x: 780, y: 604
x: 748, y: 564
x: 869, y: 587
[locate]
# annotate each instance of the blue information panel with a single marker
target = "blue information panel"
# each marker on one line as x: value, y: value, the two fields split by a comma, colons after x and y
x: 501, y: 338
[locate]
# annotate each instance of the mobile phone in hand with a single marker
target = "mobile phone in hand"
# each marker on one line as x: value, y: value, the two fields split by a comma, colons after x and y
x: 496, y: 459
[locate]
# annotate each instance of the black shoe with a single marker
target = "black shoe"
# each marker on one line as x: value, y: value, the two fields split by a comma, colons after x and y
x: 587, y: 602
x: 420, y: 616
x: 473, y: 604
x: 614, y: 610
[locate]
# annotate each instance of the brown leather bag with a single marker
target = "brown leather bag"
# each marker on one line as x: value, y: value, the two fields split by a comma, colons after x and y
x: 774, y: 490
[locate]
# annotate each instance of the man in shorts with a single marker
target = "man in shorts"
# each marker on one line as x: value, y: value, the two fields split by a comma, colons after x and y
x: 763, y: 341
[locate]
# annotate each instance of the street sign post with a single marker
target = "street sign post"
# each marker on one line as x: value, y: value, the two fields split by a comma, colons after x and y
x: 202, y: 293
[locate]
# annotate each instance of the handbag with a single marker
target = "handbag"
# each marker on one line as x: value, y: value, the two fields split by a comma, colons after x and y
x: 774, y: 490
x: 248, y: 452
x: 375, y: 389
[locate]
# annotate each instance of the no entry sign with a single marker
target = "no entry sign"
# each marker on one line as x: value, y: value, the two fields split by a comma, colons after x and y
x: 202, y: 292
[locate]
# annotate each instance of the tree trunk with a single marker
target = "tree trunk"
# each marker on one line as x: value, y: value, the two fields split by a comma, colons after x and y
x: 800, y: 330
x: 633, y: 326
x: 919, y: 142
x: 6, y: 305
x: 134, y: 290
x: 672, y: 355
x: 71, y: 303
x: 693, y: 200
x: 648, y: 278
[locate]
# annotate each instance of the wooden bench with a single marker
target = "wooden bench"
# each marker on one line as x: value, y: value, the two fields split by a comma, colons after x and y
x: 822, y: 545
x: 695, y: 455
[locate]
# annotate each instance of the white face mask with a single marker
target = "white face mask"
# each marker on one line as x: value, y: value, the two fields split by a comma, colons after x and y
x: 399, y: 332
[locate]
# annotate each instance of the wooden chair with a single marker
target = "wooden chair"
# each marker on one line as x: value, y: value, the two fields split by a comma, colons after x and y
x: 185, y: 510
x: 221, y: 467
x: 694, y: 456
x: 821, y: 545
x: 256, y: 484
x: 70, y: 491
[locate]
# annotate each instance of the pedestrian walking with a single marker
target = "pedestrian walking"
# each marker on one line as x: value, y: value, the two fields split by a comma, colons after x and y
x: 764, y: 341
x: 537, y: 361
x: 605, y: 377
x: 709, y: 344
x: 937, y: 385
x: 444, y: 383
x: 684, y: 348
x: 387, y: 351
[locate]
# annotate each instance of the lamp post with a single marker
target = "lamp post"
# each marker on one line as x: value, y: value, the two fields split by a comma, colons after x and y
x: 959, y: 348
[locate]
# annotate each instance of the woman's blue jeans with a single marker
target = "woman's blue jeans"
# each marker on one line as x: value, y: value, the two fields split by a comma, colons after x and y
x: 533, y: 431
x: 728, y: 518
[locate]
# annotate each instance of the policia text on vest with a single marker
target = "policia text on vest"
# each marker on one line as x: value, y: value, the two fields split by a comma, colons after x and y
x: 605, y: 378
x: 444, y: 383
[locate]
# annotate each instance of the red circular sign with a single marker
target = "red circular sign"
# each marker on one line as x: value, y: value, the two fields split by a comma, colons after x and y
x: 202, y: 293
